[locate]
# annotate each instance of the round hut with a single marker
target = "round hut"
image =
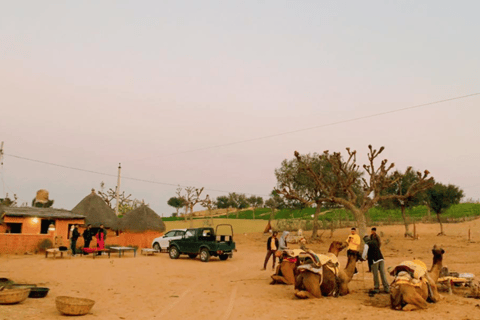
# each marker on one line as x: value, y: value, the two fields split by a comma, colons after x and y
x: 97, y: 212
x: 140, y: 226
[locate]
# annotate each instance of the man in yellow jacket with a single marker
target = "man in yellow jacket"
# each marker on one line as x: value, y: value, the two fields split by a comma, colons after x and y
x: 353, y: 241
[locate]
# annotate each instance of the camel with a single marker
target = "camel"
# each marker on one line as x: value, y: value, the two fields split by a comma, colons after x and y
x: 286, y: 270
x: 407, y: 297
x: 313, y: 285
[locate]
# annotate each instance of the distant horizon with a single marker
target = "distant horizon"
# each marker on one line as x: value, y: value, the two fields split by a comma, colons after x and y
x: 217, y: 94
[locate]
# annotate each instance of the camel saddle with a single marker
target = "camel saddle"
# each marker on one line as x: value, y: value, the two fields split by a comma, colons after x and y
x: 329, y: 260
x: 416, y: 269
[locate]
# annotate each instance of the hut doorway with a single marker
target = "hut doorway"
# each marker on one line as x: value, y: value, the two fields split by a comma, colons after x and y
x: 45, y: 224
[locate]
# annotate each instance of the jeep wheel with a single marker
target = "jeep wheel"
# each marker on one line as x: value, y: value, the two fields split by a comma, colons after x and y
x: 157, y: 247
x: 204, y: 255
x: 192, y: 255
x: 223, y: 256
x: 173, y: 253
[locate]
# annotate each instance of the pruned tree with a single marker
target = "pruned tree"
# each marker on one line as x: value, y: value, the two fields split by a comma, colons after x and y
x: 191, y: 197
x: 7, y: 202
x: 125, y: 204
x: 440, y: 197
x: 223, y: 202
x: 176, y: 203
x: 210, y: 205
x: 295, y: 182
x: 401, y: 182
x: 275, y: 202
x: 237, y: 201
x: 341, y: 182
x: 255, y: 202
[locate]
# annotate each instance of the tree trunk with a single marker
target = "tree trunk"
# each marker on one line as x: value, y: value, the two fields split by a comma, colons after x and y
x: 441, y: 225
x: 407, y: 232
x: 236, y: 213
x: 428, y: 211
x: 253, y: 213
x: 227, y: 212
x: 272, y: 213
x: 315, y: 222
x: 361, y: 221
x: 191, y: 217
x: 186, y: 214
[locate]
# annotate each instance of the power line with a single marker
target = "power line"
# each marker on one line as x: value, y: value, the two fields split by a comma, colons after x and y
x: 114, y: 175
x: 243, y: 141
x: 322, y: 125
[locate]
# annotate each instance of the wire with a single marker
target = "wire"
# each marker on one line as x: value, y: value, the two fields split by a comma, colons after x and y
x: 321, y: 126
x: 243, y: 141
x: 113, y: 175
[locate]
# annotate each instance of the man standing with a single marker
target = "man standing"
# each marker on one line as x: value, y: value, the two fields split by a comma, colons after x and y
x: 272, y: 246
x: 378, y: 265
x: 75, y: 235
x: 87, y: 236
x: 373, y: 236
x: 353, y: 241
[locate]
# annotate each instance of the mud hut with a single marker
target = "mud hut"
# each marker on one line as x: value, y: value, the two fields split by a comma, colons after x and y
x: 140, y: 226
x: 97, y: 212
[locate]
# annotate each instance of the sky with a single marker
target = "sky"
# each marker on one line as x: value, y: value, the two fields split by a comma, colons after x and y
x: 216, y: 94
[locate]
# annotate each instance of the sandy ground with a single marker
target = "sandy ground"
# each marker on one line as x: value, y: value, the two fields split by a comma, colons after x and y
x: 156, y: 287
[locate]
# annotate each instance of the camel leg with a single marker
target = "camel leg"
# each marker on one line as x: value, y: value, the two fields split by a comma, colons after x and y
x: 414, y: 301
x: 279, y: 280
x: 311, y: 285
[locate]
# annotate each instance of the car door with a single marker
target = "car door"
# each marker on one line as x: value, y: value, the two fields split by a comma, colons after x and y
x: 165, y: 240
x: 189, y: 242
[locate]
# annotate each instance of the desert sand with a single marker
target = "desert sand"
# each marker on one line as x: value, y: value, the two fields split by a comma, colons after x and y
x: 156, y: 287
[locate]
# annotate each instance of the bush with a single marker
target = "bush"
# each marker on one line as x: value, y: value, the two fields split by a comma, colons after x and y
x: 44, y: 245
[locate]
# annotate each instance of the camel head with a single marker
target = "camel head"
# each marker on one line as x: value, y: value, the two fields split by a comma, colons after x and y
x: 437, y: 254
x: 336, y: 247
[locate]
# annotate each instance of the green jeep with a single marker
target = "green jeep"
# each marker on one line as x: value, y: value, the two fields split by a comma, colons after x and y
x: 206, y: 242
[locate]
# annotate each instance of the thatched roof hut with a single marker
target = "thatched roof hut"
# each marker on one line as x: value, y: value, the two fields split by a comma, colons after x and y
x: 96, y: 212
x: 142, y: 219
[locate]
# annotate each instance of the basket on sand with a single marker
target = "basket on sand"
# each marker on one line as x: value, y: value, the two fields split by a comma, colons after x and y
x: 11, y: 296
x: 73, y: 306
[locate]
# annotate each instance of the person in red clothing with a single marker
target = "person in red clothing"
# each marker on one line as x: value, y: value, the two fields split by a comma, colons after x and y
x: 101, y: 236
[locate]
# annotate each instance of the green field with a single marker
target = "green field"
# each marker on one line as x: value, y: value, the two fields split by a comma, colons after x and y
x: 454, y: 213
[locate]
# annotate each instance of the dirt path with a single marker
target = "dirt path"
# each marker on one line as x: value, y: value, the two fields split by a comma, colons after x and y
x: 157, y: 287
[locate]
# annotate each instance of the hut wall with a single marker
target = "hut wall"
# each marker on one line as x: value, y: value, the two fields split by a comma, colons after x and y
x: 12, y: 243
x: 131, y: 239
x: 29, y: 239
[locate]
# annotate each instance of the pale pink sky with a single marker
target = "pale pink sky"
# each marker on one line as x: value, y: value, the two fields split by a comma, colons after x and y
x: 90, y: 84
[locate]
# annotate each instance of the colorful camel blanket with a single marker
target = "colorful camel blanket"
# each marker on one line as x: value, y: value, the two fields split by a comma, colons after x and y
x: 416, y: 269
x: 329, y: 260
x: 404, y: 277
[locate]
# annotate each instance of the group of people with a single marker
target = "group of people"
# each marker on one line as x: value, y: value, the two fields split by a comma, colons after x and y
x: 88, y: 234
x: 371, y: 252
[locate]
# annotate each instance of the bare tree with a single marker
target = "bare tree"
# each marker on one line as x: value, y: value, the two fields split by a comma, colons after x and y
x: 209, y: 204
x: 191, y: 197
x: 344, y: 185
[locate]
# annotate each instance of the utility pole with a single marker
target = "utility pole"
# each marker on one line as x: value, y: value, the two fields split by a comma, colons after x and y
x: 1, y: 154
x: 117, y: 191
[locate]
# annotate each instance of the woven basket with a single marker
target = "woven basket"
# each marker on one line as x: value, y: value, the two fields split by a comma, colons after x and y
x: 73, y: 306
x: 11, y: 296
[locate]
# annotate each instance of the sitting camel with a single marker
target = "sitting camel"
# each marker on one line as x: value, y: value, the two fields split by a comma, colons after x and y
x: 408, y: 293
x: 315, y: 280
x: 287, y: 269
